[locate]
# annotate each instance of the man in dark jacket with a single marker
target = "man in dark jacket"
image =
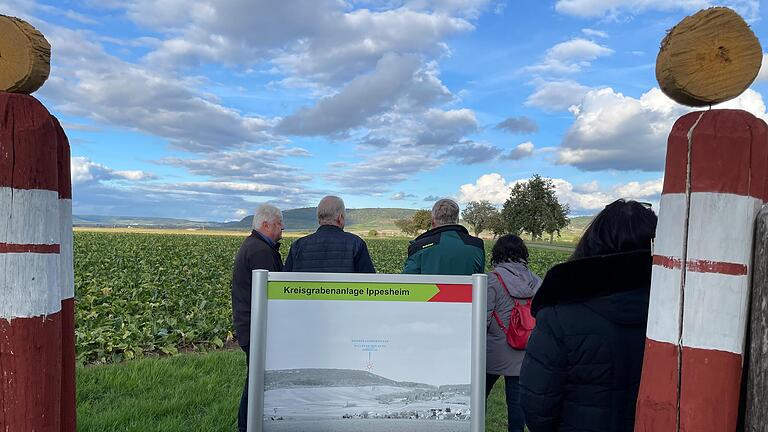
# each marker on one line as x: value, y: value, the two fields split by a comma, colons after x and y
x: 330, y: 249
x: 260, y: 251
x: 446, y: 249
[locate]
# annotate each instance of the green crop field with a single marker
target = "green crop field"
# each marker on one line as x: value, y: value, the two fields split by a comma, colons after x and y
x: 148, y: 294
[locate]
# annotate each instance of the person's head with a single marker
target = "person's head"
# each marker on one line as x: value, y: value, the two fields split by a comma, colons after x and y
x: 622, y: 226
x: 509, y: 248
x: 268, y: 220
x: 331, y: 211
x: 445, y: 212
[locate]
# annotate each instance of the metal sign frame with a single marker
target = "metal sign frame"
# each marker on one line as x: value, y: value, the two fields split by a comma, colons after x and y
x: 258, y: 345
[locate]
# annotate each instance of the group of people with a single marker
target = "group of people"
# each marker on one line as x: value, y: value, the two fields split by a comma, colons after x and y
x: 580, y: 369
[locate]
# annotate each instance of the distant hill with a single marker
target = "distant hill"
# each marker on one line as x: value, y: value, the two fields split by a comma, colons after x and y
x: 125, y: 221
x: 303, y: 378
x: 300, y: 219
x: 305, y: 219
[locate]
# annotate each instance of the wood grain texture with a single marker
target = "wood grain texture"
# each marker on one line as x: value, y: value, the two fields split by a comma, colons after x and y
x: 708, y: 58
x: 25, y: 56
x: 757, y: 385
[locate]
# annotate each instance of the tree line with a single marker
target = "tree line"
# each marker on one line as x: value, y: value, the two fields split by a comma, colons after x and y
x: 532, y: 207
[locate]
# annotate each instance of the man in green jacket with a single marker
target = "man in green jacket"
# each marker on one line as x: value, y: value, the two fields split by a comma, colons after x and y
x: 447, y: 248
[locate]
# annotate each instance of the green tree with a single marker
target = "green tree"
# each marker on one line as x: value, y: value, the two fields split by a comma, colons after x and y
x: 406, y: 226
x: 478, y: 214
x: 533, y: 207
x: 422, y: 220
x: 496, y: 224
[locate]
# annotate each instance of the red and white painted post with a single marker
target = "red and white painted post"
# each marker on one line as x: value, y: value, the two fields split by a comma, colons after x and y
x: 67, y: 281
x: 715, y: 183
x: 30, y: 268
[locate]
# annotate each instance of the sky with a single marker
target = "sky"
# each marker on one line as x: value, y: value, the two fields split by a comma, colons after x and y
x: 422, y: 342
x: 203, y: 109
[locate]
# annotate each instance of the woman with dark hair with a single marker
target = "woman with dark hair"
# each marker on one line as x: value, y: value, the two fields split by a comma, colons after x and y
x: 510, y: 281
x: 583, y: 361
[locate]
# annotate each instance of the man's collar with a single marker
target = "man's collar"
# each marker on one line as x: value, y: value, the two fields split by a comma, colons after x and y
x: 263, y: 237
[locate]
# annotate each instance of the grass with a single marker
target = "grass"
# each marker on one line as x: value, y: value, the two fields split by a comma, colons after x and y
x: 188, y: 392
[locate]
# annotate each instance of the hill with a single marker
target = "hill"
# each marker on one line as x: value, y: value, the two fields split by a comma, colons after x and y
x: 302, y: 378
x: 137, y: 221
x: 305, y: 219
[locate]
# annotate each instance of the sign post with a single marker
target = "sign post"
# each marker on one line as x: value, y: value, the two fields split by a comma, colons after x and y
x: 312, y: 336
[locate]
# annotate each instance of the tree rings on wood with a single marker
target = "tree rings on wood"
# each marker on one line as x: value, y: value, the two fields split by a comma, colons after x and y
x: 708, y: 58
x: 25, y: 56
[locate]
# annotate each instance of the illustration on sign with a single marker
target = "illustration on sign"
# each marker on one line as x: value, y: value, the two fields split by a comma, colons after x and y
x: 338, y: 359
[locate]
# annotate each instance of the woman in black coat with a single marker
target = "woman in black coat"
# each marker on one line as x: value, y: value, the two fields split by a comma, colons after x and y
x: 583, y: 361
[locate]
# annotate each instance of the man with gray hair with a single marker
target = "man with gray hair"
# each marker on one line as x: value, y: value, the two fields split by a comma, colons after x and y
x: 447, y: 248
x: 260, y: 250
x: 330, y: 249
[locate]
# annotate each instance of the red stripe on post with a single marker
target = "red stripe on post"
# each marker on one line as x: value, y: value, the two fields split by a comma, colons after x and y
x: 28, y: 154
x: 29, y: 248
x: 453, y: 293
x: 657, y: 399
x: 64, y: 167
x: 702, y: 266
x: 711, y: 383
x: 68, y: 386
x: 32, y: 384
x: 676, y: 172
x: 726, y: 146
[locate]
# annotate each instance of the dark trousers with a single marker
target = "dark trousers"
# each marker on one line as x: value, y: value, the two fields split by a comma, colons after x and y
x: 515, y: 419
x: 242, y: 413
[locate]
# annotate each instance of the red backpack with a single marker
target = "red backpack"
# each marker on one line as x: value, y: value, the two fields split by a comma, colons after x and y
x: 521, y: 321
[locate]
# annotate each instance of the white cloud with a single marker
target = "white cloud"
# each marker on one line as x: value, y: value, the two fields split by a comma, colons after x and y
x: 613, y: 8
x: 570, y: 56
x: 495, y: 188
x: 398, y: 79
x: 557, y: 95
x: 86, y: 81
x: 594, y: 33
x: 489, y: 187
x: 521, y: 151
x: 373, y: 175
x: 614, y: 131
x: 521, y: 125
x: 321, y: 40
x: 399, y: 196
x: 86, y: 171
x: 589, y: 187
x: 763, y: 74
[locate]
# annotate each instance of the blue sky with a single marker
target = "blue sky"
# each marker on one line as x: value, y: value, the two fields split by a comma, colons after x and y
x: 201, y: 109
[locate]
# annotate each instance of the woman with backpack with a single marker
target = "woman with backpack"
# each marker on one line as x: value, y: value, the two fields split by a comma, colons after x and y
x: 511, y: 285
x: 583, y: 361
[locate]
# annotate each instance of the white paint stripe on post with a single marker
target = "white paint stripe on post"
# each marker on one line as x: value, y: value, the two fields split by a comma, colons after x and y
x: 664, y: 307
x: 29, y: 285
x: 29, y: 216
x: 715, y: 311
x: 670, y: 230
x: 67, y: 276
x: 726, y: 222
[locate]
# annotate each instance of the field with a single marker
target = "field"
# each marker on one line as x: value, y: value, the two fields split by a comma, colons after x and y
x: 147, y: 297
x: 141, y: 294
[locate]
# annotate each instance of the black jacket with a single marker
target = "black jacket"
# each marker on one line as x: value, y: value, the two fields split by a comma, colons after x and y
x: 582, y: 365
x: 329, y: 250
x: 254, y: 254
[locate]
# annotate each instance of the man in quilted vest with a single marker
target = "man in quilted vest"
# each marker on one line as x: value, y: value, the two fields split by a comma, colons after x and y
x: 330, y: 249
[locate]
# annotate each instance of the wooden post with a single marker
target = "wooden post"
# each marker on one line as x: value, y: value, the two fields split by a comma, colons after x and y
x: 30, y: 310
x: 757, y: 386
x: 67, y: 281
x: 716, y: 181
